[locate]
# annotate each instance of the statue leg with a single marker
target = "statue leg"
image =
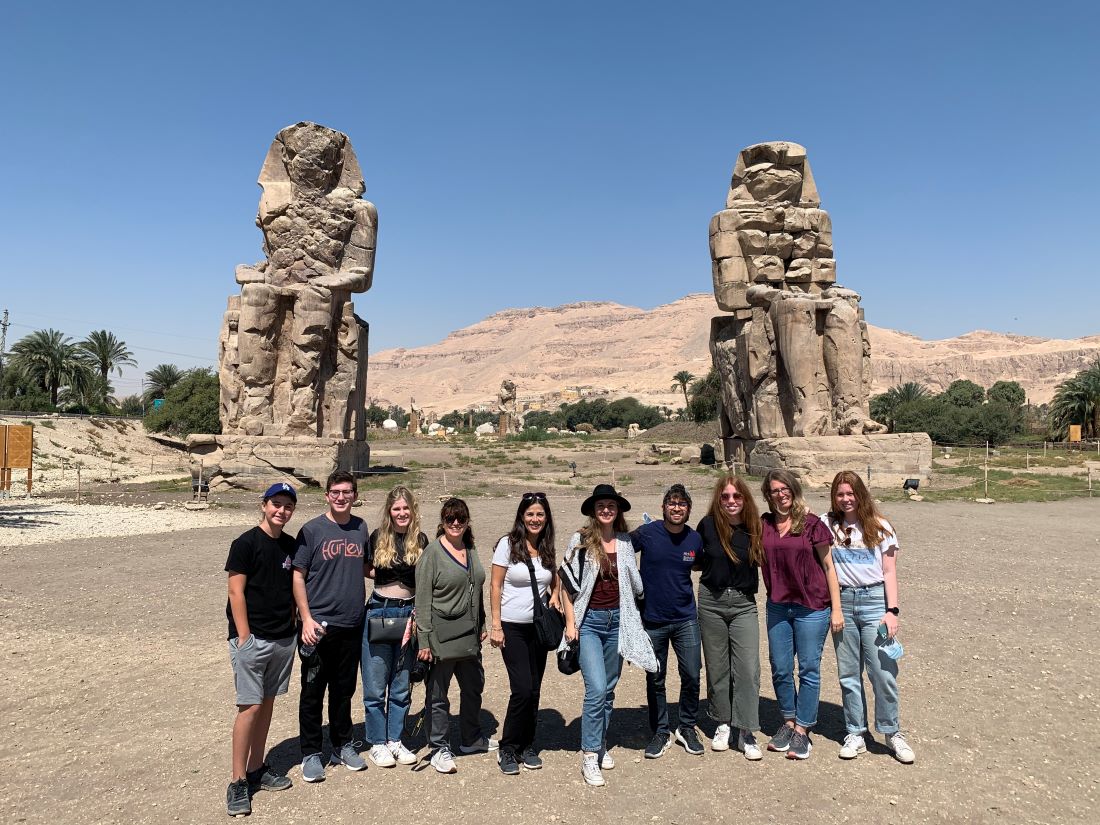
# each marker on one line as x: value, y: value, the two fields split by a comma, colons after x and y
x: 843, y: 352
x: 257, y: 356
x: 800, y: 365
x: 311, y: 334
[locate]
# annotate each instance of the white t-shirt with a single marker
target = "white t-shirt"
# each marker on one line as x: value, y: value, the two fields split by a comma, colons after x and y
x: 857, y: 565
x: 517, y: 604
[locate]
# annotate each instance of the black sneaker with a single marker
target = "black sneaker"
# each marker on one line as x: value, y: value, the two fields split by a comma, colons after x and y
x: 800, y: 746
x: 690, y: 740
x: 658, y: 746
x: 265, y: 779
x: 506, y: 758
x: 237, y: 802
x: 782, y: 739
x: 530, y: 759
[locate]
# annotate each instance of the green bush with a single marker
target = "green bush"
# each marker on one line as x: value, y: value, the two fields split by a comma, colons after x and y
x: 190, y: 406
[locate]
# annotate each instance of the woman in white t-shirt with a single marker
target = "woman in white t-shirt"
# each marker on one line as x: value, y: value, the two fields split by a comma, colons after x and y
x: 528, y: 550
x: 865, y: 557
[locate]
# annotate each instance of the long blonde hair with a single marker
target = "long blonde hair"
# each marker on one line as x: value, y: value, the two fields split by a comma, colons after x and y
x: 593, y: 543
x: 798, y: 503
x: 385, y: 549
x: 750, y: 517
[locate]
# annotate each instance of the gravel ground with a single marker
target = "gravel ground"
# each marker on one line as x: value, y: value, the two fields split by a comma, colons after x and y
x: 119, y: 693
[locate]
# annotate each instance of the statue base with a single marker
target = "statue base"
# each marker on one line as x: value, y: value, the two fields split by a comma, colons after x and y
x: 247, y: 462
x: 882, y: 460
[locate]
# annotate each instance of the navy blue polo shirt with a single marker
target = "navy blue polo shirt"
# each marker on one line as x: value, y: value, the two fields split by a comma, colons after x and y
x: 665, y: 566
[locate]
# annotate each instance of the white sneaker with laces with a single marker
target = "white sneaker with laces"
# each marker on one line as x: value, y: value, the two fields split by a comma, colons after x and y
x: 853, y: 746
x: 403, y: 755
x: 901, y: 749
x: 590, y: 769
x: 381, y: 756
x: 721, y: 740
x: 607, y: 762
x: 746, y: 743
x: 443, y: 761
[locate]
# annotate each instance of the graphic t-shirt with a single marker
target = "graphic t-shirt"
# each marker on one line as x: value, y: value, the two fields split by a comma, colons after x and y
x: 332, y: 556
x: 517, y: 602
x: 856, y: 564
x: 666, y: 563
x: 266, y: 565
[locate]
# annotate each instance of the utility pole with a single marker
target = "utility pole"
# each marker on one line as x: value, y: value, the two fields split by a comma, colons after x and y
x: 3, y: 340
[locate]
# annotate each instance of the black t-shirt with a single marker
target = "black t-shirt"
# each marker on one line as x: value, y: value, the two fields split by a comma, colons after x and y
x: 398, y: 571
x: 718, y: 571
x: 266, y: 563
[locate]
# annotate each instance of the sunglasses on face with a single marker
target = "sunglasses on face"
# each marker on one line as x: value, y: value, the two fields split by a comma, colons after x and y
x: 459, y: 520
x: 533, y: 497
x: 732, y: 497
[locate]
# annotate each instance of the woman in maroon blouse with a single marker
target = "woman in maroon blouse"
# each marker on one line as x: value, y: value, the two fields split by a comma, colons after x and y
x: 803, y: 604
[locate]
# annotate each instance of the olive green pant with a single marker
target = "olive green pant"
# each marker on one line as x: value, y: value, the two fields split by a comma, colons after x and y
x: 730, y: 627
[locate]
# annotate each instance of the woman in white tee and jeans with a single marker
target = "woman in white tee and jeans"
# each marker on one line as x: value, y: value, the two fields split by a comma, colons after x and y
x: 865, y: 557
x: 527, y: 550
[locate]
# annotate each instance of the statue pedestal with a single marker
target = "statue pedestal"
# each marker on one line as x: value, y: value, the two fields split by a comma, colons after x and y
x: 892, y: 458
x: 256, y: 462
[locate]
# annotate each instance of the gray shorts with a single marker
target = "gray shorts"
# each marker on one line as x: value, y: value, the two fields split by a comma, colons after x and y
x: 261, y: 669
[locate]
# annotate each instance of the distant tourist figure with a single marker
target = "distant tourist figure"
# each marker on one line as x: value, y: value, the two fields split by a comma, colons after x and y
x: 392, y: 553
x: 329, y: 590
x: 523, y: 563
x: 450, y: 624
x: 669, y: 548
x: 260, y: 610
x: 865, y: 550
x: 602, y: 581
x: 803, y: 604
x: 733, y: 552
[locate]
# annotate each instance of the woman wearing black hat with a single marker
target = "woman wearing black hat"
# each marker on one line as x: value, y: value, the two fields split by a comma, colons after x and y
x: 601, y: 578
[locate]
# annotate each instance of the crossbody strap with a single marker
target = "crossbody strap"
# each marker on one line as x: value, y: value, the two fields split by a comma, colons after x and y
x: 538, y: 606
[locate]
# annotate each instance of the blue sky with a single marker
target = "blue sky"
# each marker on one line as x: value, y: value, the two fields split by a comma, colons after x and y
x: 527, y: 154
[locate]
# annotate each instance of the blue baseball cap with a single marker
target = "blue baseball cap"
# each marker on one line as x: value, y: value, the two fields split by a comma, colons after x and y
x: 281, y: 489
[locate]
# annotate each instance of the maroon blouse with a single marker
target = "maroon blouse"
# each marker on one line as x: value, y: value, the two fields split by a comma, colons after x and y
x: 791, y: 570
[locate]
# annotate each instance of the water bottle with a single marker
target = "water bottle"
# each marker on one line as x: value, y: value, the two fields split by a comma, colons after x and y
x: 307, y: 650
x: 891, y: 647
x: 647, y: 518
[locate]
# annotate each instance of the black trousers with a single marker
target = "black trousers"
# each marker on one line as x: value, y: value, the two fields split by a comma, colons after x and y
x: 525, y: 660
x: 334, y: 665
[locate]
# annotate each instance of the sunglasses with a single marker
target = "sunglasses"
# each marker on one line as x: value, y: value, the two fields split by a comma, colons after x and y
x: 847, y: 540
x: 732, y: 497
x: 533, y: 497
x: 454, y: 520
x: 780, y: 491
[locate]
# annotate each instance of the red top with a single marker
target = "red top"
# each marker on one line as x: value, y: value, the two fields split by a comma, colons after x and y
x: 791, y: 570
x: 605, y: 595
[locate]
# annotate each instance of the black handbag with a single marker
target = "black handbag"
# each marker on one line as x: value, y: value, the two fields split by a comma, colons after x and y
x: 386, y: 630
x: 569, y: 659
x: 549, y: 623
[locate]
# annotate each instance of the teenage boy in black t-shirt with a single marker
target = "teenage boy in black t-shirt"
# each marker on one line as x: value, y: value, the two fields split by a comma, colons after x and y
x: 260, y: 611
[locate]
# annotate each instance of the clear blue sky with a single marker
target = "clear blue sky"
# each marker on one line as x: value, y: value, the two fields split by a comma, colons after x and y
x: 541, y: 153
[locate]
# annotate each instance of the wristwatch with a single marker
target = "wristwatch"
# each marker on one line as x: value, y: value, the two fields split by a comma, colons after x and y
x: 893, y: 610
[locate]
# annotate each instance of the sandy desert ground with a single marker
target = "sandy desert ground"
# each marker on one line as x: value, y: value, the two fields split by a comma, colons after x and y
x: 118, y: 699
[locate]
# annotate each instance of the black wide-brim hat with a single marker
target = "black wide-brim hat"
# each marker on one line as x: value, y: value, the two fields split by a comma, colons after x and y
x: 600, y: 492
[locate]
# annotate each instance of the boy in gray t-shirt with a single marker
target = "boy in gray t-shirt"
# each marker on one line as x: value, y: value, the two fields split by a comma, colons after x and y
x: 329, y: 587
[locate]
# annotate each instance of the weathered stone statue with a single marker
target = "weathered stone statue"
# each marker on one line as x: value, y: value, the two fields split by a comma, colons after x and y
x: 506, y: 407
x: 793, y: 353
x: 293, y: 352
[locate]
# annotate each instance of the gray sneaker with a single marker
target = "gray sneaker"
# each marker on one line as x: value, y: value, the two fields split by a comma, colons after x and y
x: 509, y: 765
x: 530, y: 759
x: 313, y: 769
x: 349, y: 756
x: 237, y: 802
x: 265, y: 779
x: 658, y: 746
x: 800, y: 746
x: 782, y: 739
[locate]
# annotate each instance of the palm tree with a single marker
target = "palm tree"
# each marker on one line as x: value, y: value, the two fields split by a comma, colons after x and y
x: 681, y: 380
x: 884, y: 405
x: 909, y: 391
x: 1077, y: 401
x: 106, y: 352
x: 51, y: 359
x: 160, y: 379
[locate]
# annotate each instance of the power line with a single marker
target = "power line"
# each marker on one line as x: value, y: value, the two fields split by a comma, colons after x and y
x: 113, y: 327
x: 143, y: 349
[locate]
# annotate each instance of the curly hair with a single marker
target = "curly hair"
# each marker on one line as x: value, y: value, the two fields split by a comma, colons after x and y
x: 798, y: 503
x: 750, y: 517
x: 385, y: 550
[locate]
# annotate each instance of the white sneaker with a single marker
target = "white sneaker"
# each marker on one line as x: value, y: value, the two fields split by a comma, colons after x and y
x: 482, y: 745
x: 853, y: 746
x: 607, y: 762
x: 380, y: 755
x: 590, y: 770
x: 897, y: 743
x: 403, y: 755
x: 746, y: 743
x: 443, y: 761
x: 721, y: 740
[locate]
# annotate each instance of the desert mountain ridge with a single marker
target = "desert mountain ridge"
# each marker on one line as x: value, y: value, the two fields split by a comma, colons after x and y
x: 592, y: 347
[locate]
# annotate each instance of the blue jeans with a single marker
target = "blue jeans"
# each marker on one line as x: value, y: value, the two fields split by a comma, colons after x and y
x: 794, y: 630
x: 857, y: 648
x: 685, y: 644
x: 601, y: 665
x: 385, y: 670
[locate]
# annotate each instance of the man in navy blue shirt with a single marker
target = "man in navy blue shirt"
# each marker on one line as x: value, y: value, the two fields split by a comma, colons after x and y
x: 668, y: 549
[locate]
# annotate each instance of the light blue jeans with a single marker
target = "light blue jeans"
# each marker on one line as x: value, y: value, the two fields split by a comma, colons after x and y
x: 857, y: 647
x: 794, y: 630
x: 601, y: 665
x: 386, y: 694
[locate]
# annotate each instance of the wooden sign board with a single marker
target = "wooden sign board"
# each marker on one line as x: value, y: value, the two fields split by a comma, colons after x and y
x: 16, y: 446
x: 1074, y: 433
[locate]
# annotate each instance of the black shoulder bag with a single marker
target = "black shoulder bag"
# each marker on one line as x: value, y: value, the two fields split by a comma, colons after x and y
x: 549, y: 624
x: 569, y: 659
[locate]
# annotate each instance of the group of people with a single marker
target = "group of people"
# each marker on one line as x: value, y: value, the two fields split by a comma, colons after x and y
x: 617, y: 595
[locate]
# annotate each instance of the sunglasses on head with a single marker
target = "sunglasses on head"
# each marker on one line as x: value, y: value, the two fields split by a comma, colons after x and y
x: 533, y: 497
